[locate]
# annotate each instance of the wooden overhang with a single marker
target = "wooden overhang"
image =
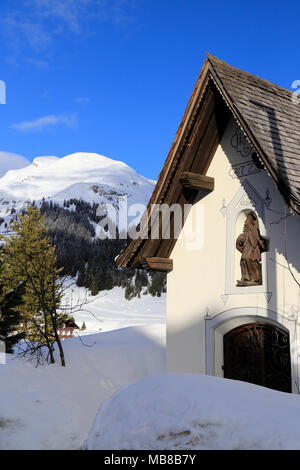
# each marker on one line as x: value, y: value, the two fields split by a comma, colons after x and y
x: 157, y: 264
x: 197, y: 182
x: 268, y: 118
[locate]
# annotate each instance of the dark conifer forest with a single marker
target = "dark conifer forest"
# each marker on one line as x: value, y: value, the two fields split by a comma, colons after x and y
x: 90, y: 259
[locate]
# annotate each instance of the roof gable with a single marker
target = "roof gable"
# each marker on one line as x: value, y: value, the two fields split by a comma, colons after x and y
x: 269, y: 120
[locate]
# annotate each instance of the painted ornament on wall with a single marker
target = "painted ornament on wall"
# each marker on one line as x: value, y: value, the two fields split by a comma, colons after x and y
x: 240, y: 143
x: 243, y: 147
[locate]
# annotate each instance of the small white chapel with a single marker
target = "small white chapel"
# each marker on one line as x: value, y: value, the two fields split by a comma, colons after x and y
x: 233, y: 298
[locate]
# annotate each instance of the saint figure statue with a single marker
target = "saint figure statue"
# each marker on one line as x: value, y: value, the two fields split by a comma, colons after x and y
x: 251, y: 245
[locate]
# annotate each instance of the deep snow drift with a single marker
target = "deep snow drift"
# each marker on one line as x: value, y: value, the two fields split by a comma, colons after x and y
x: 189, y: 412
x: 52, y: 407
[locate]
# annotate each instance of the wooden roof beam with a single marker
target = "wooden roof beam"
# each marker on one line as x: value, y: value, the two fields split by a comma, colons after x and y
x: 197, y: 182
x: 156, y: 264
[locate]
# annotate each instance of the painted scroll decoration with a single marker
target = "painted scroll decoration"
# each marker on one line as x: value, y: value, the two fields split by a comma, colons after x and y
x: 244, y: 149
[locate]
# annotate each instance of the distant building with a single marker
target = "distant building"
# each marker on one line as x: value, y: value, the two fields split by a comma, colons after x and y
x: 233, y: 297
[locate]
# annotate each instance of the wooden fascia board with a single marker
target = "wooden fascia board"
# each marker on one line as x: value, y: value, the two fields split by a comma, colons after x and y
x: 251, y: 137
x: 156, y: 264
x: 185, y: 124
x: 125, y: 258
x: 197, y: 182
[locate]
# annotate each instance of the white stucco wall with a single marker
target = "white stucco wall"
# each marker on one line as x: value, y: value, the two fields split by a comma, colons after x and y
x: 203, y: 301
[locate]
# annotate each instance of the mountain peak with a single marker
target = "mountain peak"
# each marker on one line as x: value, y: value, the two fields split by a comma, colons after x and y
x: 44, y: 160
x: 92, y: 158
x: 75, y: 176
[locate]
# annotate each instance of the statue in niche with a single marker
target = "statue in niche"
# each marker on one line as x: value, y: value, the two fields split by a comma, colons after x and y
x: 251, y: 245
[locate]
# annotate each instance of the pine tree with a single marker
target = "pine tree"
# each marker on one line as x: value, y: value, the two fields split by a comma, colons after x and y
x: 108, y: 280
x: 129, y: 291
x: 143, y: 278
x: 140, y: 282
x: 30, y: 259
x: 81, y: 276
x: 10, y: 318
x: 157, y: 284
x: 95, y: 286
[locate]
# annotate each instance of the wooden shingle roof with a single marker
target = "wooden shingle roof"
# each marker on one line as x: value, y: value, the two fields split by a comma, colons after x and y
x: 267, y: 116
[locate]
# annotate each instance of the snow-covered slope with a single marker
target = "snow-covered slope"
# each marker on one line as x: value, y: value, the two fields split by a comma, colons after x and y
x: 53, y: 407
x: 110, y: 310
x: 88, y: 176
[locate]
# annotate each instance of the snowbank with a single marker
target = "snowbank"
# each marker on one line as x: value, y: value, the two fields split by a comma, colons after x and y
x: 183, y: 411
x: 51, y: 407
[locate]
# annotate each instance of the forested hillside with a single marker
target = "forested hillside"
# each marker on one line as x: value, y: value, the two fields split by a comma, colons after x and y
x: 81, y: 254
x: 68, y: 191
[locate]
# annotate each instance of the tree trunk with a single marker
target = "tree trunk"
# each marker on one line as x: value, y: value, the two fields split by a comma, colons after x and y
x: 61, y: 351
x: 50, y: 348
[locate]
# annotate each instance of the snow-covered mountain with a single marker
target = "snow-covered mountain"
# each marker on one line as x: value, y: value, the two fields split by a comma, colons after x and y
x: 84, y: 198
x: 87, y: 176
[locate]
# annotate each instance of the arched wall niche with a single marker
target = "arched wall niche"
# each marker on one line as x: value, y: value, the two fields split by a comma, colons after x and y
x: 243, y: 218
x: 245, y: 201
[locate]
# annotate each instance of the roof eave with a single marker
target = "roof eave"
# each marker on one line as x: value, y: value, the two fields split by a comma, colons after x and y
x: 125, y: 258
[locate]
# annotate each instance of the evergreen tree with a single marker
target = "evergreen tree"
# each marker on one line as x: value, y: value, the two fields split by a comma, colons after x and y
x: 95, y: 286
x: 108, y: 282
x: 129, y: 291
x: 143, y: 278
x: 10, y: 318
x: 158, y: 284
x: 81, y: 276
x: 30, y: 259
x: 141, y: 281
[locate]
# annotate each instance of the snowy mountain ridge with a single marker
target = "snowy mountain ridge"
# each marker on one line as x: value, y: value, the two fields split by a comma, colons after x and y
x: 91, y: 177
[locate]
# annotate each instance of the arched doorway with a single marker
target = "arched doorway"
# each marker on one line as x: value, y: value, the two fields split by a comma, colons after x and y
x: 258, y: 353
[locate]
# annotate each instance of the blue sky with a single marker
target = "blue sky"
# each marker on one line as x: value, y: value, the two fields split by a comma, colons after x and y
x: 114, y: 76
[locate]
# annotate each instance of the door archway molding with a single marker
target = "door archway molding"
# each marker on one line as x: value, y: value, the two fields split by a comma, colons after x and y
x: 219, y: 325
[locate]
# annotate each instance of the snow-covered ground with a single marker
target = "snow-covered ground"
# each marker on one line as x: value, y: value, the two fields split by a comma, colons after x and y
x: 189, y: 412
x: 115, y: 381
x: 51, y: 407
x: 109, y: 310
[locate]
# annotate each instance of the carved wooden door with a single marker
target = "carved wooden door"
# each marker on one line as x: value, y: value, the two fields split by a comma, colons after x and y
x: 258, y: 353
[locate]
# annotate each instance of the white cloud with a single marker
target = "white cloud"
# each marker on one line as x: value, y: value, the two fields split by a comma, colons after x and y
x: 67, y: 11
x: 11, y: 161
x: 38, y: 63
x: 44, y: 122
x: 82, y: 100
x: 32, y: 26
x: 73, y: 12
